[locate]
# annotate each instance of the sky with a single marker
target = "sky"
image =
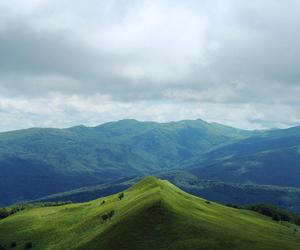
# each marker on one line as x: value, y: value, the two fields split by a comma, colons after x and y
x: 71, y: 62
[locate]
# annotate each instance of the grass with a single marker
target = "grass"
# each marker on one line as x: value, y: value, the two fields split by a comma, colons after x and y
x: 153, y: 214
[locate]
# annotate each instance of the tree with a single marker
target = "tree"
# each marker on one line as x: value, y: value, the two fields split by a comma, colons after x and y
x: 103, y: 202
x: 121, y: 195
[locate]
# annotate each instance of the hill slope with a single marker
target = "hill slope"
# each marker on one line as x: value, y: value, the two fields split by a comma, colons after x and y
x: 152, y: 214
x: 37, y: 162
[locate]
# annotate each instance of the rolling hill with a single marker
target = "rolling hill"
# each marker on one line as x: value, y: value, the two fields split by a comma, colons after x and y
x: 152, y: 214
x: 38, y: 162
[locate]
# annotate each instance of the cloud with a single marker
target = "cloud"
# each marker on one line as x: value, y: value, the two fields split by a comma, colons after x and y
x: 236, y: 60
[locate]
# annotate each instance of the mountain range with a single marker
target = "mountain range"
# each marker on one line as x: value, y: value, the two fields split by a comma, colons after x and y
x: 39, y: 162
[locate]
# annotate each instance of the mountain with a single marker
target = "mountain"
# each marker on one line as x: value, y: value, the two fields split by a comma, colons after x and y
x: 38, y: 162
x: 153, y: 214
x: 271, y: 158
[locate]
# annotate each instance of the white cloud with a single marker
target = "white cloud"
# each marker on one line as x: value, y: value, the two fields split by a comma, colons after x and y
x: 63, y: 110
x: 95, y: 61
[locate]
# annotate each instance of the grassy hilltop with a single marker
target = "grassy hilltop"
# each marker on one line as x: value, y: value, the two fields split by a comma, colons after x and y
x: 152, y: 214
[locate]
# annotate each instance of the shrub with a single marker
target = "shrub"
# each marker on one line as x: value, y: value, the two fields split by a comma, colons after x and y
x: 55, y: 203
x: 28, y: 245
x: 108, y: 215
x: 276, y: 217
x: 4, y: 213
x: 103, y: 202
x: 121, y: 196
x: 232, y: 205
x: 207, y: 202
x: 104, y: 217
x: 275, y: 213
x: 13, y: 244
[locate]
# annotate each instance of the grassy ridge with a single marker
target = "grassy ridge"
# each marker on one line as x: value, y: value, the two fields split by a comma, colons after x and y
x: 153, y: 214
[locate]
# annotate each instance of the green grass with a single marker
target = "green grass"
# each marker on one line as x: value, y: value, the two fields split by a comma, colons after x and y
x: 153, y: 214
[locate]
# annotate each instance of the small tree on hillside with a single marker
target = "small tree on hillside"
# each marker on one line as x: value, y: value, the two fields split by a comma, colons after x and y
x: 121, y: 196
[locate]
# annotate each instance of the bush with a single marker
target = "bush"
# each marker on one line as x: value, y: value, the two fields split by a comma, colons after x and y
x: 4, y: 213
x: 108, y: 215
x: 103, y: 202
x: 276, y: 217
x: 275, y: 213
x: 121, y: 196
x: 13, y: 244
x: 55, y: 203
x: 104, y: 217
x: 232, y: 205
x: 28, y: 245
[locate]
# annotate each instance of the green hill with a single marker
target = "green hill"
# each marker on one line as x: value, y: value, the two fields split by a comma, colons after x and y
x: 153, y: 214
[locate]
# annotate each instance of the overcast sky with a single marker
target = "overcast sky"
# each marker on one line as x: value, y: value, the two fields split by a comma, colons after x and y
x: 70, y: 62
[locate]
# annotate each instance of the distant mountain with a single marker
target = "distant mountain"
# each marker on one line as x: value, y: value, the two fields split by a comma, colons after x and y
x: 37, y: 162
x: 271, y: 158
x: 153, y: 214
